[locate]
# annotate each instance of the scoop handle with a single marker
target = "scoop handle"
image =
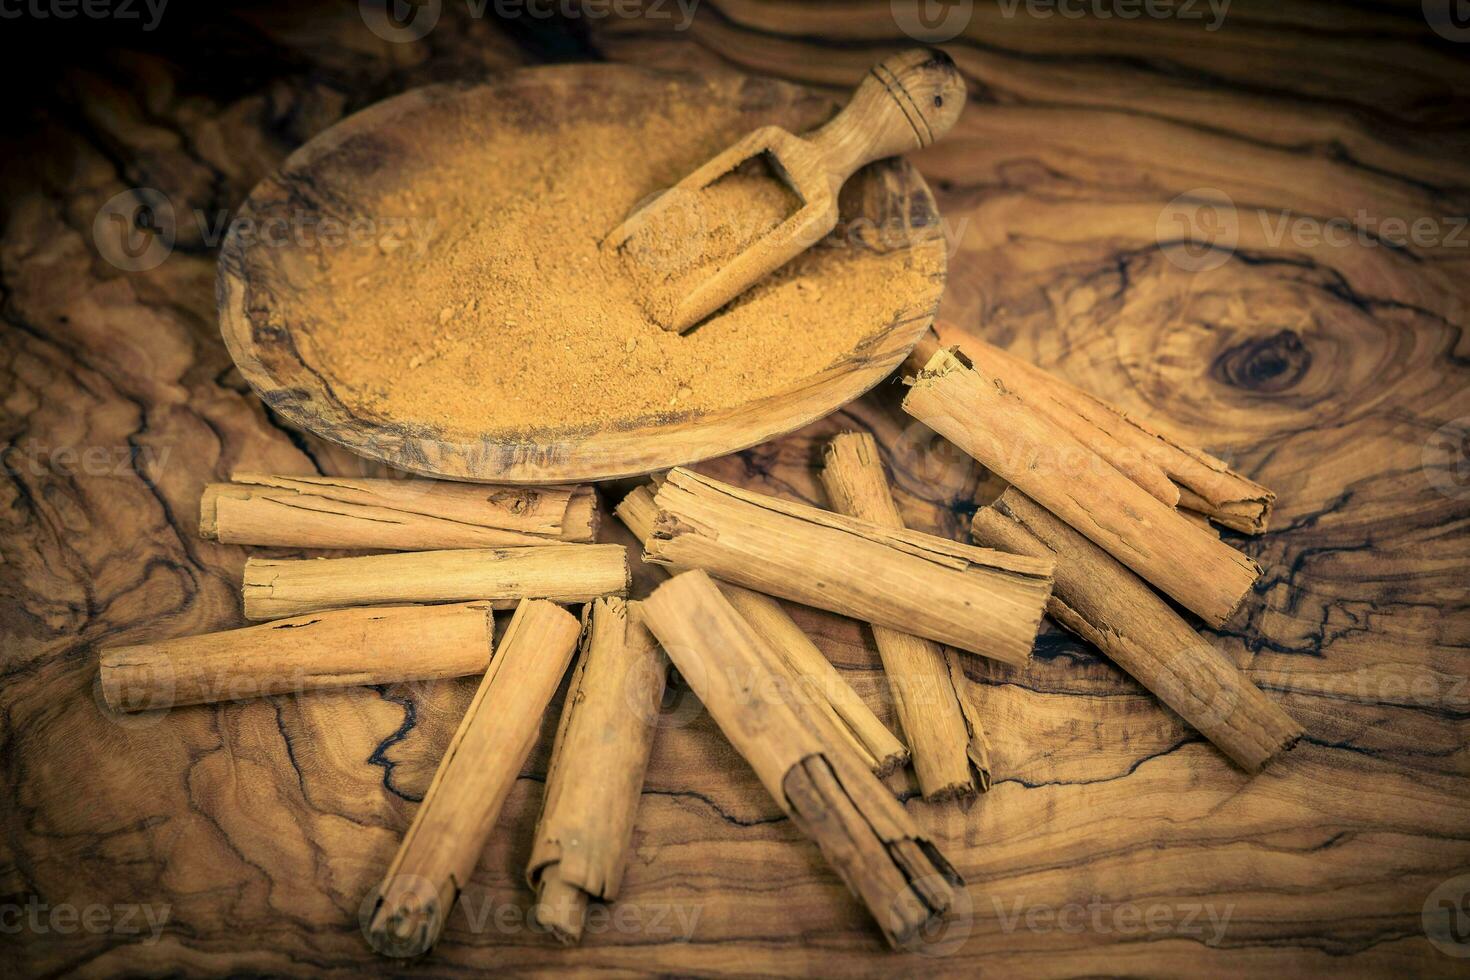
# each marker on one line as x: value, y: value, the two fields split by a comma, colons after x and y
x: 904, y: 103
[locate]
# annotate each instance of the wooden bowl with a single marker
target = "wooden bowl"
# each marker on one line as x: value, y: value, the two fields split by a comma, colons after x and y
x: 268, y: 296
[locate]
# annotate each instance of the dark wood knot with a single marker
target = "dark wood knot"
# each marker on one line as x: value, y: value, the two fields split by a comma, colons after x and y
x: 1265, y: 364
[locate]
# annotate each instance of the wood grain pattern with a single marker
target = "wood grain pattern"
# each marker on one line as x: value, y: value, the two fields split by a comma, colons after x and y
x: 1321, y: 371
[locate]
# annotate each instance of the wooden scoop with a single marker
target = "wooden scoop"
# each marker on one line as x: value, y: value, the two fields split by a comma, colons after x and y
x: 904, y: 103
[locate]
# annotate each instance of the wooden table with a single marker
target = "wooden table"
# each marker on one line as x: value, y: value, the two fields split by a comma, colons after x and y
x: 1320, y: 346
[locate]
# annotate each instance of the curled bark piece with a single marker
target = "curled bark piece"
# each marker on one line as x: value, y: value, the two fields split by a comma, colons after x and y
x: 869, y: 840
x: 597, y: 767
x: 339, y: 648
x: 1114, y: 610
x: 820, y: 685
x: 392, y: 515
x: 980, y: 415
x: 443, y: 844
x: 500, y: 576
x: 938, y: 717
x: 976, y: 599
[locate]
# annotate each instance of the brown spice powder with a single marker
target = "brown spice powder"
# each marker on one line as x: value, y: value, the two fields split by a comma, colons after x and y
x: 511, y: 321
x: 673, y: 248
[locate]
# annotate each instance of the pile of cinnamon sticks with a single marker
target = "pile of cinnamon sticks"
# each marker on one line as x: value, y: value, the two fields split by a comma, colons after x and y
x: 1131, y: 515
x: 1127, y: 514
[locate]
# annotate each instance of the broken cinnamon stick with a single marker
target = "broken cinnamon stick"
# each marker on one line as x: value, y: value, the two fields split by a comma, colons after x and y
x: 502, y: 576
x: 821, y: 685
x: 443, y: 844
x: 984, y: 601
x: 869, y: 839
x: 344, y: 647
x: 1203, y: 483
x: 932, y: 693
x: 394, y: 515
x: 597, y: 767
x: 1114, y: 610
x: 974, y: 411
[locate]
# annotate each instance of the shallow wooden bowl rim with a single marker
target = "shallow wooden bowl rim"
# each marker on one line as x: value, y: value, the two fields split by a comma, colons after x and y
x: 606, y: 453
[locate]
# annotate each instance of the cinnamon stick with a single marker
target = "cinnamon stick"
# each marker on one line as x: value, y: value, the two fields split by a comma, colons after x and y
x: 970, y: 408
x: 1114, y: 610
x: 817, y: 682
x: 976, y: 599
x: 820, y: 684
x: 869, y: 839
x: 344, y: 647
x: 1203, y: 483
x: 443, y: 844
x: 1034, y: 389
x: 393, y: 515
x: 932, y: 693
x: 597, y: 767
x: 502, y: 576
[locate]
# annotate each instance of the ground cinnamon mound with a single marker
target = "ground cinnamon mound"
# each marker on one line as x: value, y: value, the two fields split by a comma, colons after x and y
x: 510, y: 321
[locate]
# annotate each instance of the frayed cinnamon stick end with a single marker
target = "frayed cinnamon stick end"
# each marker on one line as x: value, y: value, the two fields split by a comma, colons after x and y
x: 904, y: 880
x: 408, y: 915
x: 890, y: 764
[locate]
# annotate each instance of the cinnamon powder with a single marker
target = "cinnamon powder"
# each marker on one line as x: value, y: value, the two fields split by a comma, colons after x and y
x: 511, y: 321
x: 672, y: 249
